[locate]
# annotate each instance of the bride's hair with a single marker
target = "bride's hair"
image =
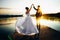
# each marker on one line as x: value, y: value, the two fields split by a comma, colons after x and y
x: 26, y: 8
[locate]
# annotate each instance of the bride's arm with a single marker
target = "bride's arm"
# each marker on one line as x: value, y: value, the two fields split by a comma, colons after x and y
x: 30, y: 7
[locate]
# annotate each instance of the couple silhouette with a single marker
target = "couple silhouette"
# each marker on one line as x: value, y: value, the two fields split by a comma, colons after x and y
x: 26, y: 27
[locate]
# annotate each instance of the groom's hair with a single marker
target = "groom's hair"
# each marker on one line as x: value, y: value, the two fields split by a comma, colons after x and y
x: 26, y: 8
x: 38, y: 5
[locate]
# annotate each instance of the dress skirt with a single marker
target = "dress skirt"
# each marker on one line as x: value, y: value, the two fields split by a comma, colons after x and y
x: 25, y: 26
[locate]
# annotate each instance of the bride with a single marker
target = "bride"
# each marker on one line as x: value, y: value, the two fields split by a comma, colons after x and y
x: 25, y: 25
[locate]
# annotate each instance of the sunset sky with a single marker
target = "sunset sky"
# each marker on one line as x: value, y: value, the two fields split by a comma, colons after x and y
x: 18, y: 6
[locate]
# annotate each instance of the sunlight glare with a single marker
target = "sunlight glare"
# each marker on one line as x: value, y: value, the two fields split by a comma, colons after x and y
x: 43, y: 22
x: 47, y: 6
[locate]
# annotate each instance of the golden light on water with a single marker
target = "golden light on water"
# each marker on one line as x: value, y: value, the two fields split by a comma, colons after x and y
x: 40, y: 21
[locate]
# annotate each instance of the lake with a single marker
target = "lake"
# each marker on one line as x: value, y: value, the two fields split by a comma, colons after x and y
x: 7, y: 25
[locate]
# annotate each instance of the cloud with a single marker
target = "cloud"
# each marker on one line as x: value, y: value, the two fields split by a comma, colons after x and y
x: 4, y: 8
x: 9, y: 11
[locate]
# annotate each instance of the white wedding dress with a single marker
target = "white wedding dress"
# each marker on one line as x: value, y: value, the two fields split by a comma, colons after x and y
x: 25, y: 26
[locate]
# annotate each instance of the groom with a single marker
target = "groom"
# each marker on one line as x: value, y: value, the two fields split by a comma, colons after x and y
x: 38, y: 16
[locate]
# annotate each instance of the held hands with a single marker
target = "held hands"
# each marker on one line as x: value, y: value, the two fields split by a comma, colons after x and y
x: 33, y: 5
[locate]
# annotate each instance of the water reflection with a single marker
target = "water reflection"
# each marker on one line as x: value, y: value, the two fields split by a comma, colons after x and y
x: 52, y: 24
x: 8, y: 24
